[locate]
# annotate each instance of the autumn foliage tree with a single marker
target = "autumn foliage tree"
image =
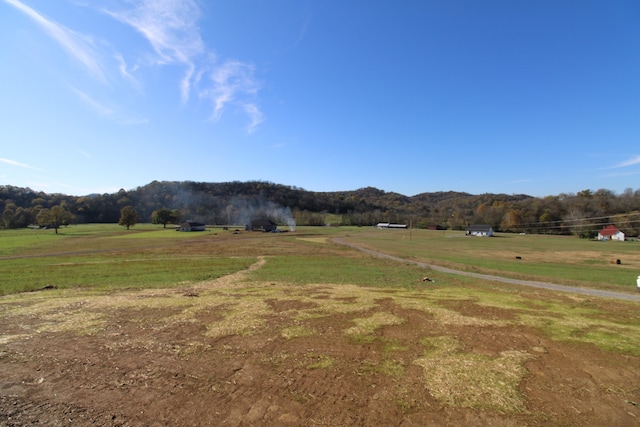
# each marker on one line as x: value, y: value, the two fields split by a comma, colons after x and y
x: 54, y: 217
x: 222, y: 203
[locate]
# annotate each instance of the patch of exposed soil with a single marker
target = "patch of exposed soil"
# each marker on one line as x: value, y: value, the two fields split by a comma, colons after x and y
x: 470, y: 308
x: 151, y: 359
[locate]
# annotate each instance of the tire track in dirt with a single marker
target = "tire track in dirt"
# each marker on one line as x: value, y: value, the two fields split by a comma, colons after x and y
x: 493, y: 278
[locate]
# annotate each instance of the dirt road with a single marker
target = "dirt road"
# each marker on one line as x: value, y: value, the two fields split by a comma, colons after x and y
x: 533, y: 283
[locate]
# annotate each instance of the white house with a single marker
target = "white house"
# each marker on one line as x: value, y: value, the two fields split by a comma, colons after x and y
x: 479, y: 230
x: 611, y: 232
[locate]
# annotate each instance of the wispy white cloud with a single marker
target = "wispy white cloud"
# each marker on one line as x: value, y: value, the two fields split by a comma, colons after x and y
x: 99, y: 108
x: 104, y: 111
x: 635, y: 160
x: 171, y: 28
x: 122, y: 67
x: 172, y: 31
x: 16, y: 163
x: 623, y: 174
x: 232, y: 81
x: 185, y: 83
x: 256, y: 116
x: 79, y: 46
x: 303, y: 31
x: 13, y: 163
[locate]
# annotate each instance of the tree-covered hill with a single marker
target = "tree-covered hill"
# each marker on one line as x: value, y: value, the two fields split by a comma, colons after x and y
x: 236, y: 202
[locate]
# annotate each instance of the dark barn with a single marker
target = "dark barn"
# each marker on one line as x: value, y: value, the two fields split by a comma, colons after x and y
x: 262, y: 224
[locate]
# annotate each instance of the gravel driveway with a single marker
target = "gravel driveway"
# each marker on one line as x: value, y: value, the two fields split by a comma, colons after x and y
x: 533, y: 283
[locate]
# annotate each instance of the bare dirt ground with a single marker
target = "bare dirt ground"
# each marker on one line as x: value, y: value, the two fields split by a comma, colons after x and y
x: 232, y: 352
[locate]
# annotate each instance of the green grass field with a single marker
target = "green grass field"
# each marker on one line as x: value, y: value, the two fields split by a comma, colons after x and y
x: 105, y: 256
x: 108, y: 256
x: 558, y: 259
x: 478, y: 343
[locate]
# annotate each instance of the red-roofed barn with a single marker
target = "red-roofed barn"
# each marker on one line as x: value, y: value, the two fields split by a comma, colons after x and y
x: 611, y: 232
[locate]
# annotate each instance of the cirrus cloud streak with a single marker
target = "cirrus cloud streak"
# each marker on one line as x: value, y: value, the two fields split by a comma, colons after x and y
x: 635, y: 160
x: 78, y: 46
x: 171, y: 28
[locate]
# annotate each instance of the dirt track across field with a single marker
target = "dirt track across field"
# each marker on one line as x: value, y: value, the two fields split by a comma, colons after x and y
x: 233, y: 352
x: 493, y: 278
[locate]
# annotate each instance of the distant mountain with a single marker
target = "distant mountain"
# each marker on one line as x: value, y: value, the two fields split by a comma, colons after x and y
x: 233, y: 202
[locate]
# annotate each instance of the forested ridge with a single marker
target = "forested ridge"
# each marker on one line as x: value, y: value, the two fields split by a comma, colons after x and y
x: 236, y: 202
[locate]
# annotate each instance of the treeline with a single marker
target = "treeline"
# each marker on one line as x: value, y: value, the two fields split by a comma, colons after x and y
x: 583, y: 213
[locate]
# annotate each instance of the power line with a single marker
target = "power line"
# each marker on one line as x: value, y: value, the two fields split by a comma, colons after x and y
x: 608, y: 218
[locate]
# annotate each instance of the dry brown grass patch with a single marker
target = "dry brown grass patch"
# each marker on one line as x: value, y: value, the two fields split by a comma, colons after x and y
x: 367, y: 325
x: 471, y: 380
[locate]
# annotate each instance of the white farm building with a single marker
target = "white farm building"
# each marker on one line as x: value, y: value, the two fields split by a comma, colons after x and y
x: 390, y: 225
x: 611, y: 232
x: 479, y: 230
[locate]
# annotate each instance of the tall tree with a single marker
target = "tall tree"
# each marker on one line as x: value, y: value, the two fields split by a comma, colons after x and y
x: 165, y: 216
x: 128, y: 217
x: 54, y: 217
x: 8, y: 215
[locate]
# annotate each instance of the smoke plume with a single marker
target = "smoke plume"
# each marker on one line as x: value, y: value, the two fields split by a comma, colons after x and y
x: 242, y: 210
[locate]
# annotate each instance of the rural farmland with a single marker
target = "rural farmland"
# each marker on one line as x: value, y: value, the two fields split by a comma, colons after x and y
x: 333, y: 326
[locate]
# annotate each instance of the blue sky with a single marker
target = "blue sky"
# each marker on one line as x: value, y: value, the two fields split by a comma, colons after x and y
x: 537, y: 97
